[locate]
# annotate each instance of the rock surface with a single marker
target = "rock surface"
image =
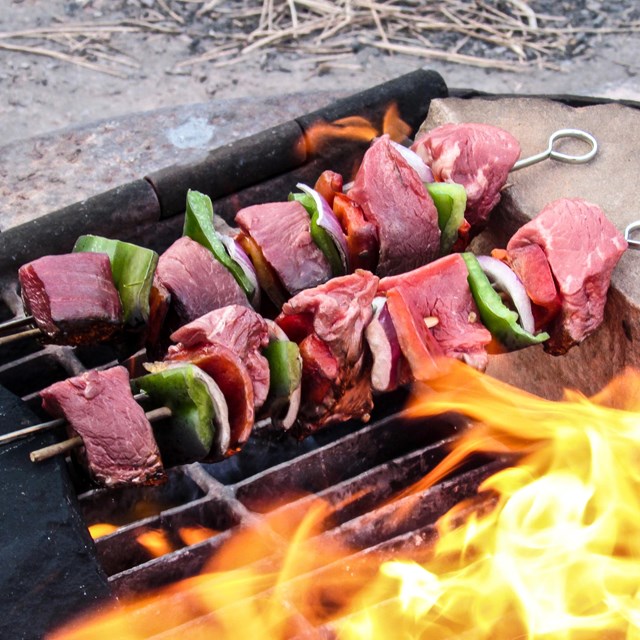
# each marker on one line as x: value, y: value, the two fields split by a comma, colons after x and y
x: 610, y: 180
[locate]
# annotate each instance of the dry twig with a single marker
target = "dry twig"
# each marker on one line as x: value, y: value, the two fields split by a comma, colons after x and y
x: 512, y: 34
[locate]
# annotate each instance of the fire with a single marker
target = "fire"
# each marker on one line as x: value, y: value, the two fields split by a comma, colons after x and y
x: 194, y: 535
x: 155, y: 542
x: 550, y: 549
x: 356, y: 128
x: 101, y: 529
x: 559, y: 555
x: 394, y: 125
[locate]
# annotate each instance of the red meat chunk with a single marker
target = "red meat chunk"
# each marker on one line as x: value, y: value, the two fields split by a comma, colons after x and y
x: 335, y: 375
x: 197, y: 282
x: 437, y: 294
x: 582, y: 247
x: 393, y: 198
x: 477, y: 156
x: 281, y: 230
x: 119, y: 447
x: 240, y: 329
x: 72, y: 297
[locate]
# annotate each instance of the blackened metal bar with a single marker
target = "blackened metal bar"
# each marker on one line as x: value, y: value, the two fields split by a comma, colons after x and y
x: 232, y: 167
x: 256, y: 159
x: 112, y: 213
x: 16, y: 323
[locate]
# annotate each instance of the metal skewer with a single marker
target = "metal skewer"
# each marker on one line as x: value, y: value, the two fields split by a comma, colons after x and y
x: 551, y: 153
x: 67, y: 445
x: 6, y: 438
x: 17, y: 323
x: 632, y: 238
x: 20, y: 335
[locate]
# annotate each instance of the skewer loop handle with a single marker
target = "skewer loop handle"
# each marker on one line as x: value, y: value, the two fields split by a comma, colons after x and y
x: 630, y: 235
x: 552, y: 154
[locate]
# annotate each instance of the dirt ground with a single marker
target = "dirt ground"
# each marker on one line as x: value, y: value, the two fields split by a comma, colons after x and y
x: 142, y: 55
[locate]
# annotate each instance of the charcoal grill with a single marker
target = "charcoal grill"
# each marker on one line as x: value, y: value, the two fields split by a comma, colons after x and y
x: 356, y: 466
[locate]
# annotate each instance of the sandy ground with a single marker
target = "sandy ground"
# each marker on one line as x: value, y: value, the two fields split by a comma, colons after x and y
x: 40, y: 94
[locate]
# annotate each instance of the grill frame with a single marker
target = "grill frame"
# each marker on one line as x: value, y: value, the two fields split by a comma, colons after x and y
x: 156, y: 216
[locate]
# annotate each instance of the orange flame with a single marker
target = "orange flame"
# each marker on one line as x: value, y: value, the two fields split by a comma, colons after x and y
x: 194, y: 535
x: 101, y: 529
x: 556, y: 556
x: 155, y: 542
x: 357, y: 129
x: 394, y: 125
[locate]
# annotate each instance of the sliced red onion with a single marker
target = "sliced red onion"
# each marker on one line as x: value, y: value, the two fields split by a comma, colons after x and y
x: 506, y: 280
x: 328, y: 221
x: 383, y: 341
x: 238, y: 255
x: 415, y: 161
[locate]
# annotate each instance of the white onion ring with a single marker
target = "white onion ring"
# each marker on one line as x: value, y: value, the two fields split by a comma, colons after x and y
x: 328, y: 221
x: 238, y: 255
x: 506, y: 280
x: 382, y: 339
x: 414, y: 161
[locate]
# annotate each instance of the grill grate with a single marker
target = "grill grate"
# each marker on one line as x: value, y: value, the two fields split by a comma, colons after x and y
x: 268, y: 487
x: 357, y: 472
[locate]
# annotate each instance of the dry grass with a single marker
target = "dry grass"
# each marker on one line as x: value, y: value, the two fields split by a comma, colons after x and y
x: 508, y: 35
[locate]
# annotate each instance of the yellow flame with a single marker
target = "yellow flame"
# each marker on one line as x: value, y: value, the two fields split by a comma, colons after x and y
x: 155, y: 542
x: 549, y: 550
x: 559, y: 556
x: 101, y: 529
x: 196, y: 534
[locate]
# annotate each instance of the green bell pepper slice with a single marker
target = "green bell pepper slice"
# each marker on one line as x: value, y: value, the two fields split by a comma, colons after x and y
x: 133, y: 268
x: 285, y: 367
x: 319, y: 235
x: 450, y: 200
x: 501, y: 321
x: 189, y: 434
x: 198, y: 225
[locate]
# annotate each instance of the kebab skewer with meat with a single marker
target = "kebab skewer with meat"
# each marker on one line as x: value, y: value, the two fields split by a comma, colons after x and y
x: 358, y: 334
x: 394, y: 218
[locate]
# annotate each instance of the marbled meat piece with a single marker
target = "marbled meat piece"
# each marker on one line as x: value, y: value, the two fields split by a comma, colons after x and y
x: 335, y: 374
x: 477, y: 156
x: 439, y: 295
x: 582, y: 247
x: 393, y: 197
x: 197, y: 282
x: 281, y: 230
x: 72, y: 297
x: 240, y: 329
x: 119, y: 447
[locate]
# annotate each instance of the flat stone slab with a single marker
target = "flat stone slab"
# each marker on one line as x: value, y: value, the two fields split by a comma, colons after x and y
x: 611, y: 180
x: 48, y: 172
